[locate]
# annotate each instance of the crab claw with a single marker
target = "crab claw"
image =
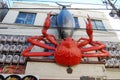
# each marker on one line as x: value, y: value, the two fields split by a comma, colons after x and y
x: 89, y: 29
x: 46, y: 24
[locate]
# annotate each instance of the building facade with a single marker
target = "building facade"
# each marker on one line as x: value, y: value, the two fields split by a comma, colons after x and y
x: 27, y: 19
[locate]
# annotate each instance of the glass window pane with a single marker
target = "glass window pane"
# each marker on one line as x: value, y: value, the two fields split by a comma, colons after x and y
x: 29, y: 21
x: 19, y: 21
x: 100, y: 25
x: 31, y: 15
x: 94, y: 25
x: 21, y: 15
x: 76, y: 22
x: 97, y: 24
x: 53, y: 21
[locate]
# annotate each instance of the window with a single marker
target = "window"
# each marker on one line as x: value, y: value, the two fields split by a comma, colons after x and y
x: 98, y: 25
x: 76, y: 22
x: 54, y: 21
x: 25, y: 18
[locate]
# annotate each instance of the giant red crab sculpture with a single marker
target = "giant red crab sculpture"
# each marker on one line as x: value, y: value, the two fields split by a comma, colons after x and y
x: 68, y: 52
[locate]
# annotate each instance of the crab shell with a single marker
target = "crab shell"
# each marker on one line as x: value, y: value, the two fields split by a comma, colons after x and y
x: 67, y: 53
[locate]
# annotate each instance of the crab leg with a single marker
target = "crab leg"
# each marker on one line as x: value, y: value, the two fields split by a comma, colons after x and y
x: 83, y: 43
x: 35, y: 40
x: 95, y: 46
x: 51, y: 38
x: 103, y: 53
x: 98, y: 46
x: 27, y: 53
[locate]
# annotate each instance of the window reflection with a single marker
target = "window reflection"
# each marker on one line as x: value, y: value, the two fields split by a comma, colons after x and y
x: 98, y: 25
x: 54, y: 21
x: 25, y: 18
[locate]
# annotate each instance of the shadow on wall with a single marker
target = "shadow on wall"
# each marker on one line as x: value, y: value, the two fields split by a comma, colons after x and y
x: 3, y: 10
